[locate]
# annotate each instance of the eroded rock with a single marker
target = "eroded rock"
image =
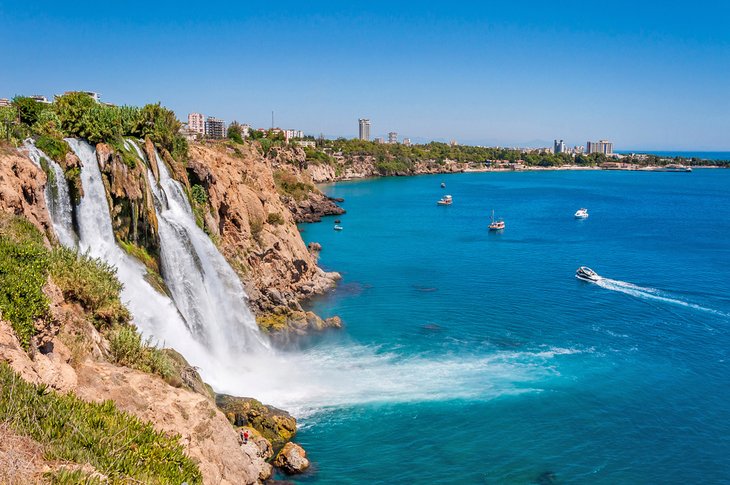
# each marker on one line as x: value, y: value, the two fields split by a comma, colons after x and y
x: 292, y: 459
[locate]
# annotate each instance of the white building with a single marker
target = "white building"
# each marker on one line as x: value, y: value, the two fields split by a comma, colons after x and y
x: 559, y: 146
x: 364, y: 129
x: 392, y: 137
x: 4, y: 102
x: 196, y: 123
x: 601, y: 146
x: 293, y: 134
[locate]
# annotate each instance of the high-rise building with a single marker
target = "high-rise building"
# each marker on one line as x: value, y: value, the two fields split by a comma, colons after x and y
x: 364, y: 129
x: 196, y: 123
x: 215, y: 128
x: 559, y: 147
x: 601, y: 146
x: 393, y: 137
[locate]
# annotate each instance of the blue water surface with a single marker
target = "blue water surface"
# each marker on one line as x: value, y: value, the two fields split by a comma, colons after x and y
x: 623, y: 382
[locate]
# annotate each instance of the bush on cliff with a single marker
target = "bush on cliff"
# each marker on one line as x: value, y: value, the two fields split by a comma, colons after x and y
x: 116, y: 444
x: 127, y: 348
x: 90, y: 282
x: 23, y: 272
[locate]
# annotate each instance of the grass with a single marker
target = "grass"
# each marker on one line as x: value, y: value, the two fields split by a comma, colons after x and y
x: 55, y: 148
x: 275, y: 218
x: 117, y: 445
x: 90, y: 282
x: 127, y: 348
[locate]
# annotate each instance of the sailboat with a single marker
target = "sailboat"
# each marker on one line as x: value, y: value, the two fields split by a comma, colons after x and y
x: 497, y: 224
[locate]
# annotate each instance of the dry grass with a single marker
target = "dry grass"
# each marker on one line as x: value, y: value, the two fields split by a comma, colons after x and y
x: 21, y: 458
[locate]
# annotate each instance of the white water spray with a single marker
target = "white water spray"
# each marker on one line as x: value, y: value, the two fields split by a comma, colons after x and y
x: 57, y: 196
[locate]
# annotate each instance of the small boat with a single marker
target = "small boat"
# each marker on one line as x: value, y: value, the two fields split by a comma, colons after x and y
x: 581, y: 213
x: 496, y: 224
x: 443, y: 185
x: 338, y: 227
x: 586, y: 274
x: 337, y: 221
x: 445, y: 200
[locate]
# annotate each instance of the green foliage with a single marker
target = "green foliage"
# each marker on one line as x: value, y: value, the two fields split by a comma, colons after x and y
x: 288, y: 184
x: 129, y: 156
x: 199, y: 194
x: 48, y: 123
x: 90, y: 282
x: 127, y: 348
x: 118, y: 445
x: 234, y: 132
x: 275, y: 219
x: 266, y: 145
x: 71, y: 109
x: 161, y: 125
x: 23, y: 273
x: 8, y: 117
x: 56, y: 148
x: 101, y: 123
x: 28, y: 109
x: 317, y: 157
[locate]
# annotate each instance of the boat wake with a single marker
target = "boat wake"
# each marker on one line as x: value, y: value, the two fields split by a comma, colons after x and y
x: 653, y: 294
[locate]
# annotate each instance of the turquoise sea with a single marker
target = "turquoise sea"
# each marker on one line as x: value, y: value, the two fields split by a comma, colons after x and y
x: 527, y: 374
x: 701, y: 155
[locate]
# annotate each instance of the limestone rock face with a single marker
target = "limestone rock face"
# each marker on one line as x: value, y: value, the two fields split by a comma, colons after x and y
x: 292, y: 459
x: 22, y: 186
x: 275, y: 425
x: 254, y: 229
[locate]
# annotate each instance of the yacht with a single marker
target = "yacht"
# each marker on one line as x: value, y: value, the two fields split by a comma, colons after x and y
x: 586, y: 274
x: 496, y: 224
x: 337, y: 227
x: 581, y: 213
x: 445, y: 200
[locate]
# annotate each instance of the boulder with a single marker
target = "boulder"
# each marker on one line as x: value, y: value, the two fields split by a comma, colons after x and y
x: 275, y: 425
x: 292, y: 459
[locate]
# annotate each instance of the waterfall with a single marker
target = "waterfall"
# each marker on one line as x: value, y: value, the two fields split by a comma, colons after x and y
x: 57, y: 196
x: 153, y: 313
x: 204, y: 287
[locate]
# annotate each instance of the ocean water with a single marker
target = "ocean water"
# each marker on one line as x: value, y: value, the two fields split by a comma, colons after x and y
x: 518, y: 372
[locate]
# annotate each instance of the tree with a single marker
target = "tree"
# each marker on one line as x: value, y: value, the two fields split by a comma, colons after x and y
x: 28, y: 109
x: 234, y: 132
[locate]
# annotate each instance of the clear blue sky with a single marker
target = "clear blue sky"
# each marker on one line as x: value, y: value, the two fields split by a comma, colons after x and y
x: 644, y: 74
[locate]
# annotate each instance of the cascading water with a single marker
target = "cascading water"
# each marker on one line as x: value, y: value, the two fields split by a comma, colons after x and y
x: 204, y: 287
x: 57, y: 198
x: 153, y: 313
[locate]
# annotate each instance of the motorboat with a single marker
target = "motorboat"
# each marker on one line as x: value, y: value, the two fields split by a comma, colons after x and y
x: 338, y: 227
x: 443, y: 185
x: 496, y: 224
x: 586, y: 274
x: 445, y: 200
x: 581, y: 214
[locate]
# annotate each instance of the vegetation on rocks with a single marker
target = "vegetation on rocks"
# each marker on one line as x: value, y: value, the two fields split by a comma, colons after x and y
x: 118, y: 446
x: 289, y: 185
x: 275, y: 425
x: 127, y: 348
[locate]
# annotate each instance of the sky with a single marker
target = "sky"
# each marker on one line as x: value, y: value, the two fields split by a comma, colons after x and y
x: 643, y: 74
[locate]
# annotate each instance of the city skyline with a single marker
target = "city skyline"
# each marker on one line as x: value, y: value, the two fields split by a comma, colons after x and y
x: 521, y: 75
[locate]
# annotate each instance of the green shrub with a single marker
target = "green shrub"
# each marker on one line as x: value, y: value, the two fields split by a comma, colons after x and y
x: 23, y: 273
x: 55, y: 148
x: 288, y: 184
x: 275, y: 219
x: 118, y: 445
x: 199, y: 194
x: 92, y: 283
x: 28, y: 109
x: 127, y: 348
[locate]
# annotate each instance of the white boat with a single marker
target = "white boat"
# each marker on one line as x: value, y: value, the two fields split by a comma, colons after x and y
x: 674, y: 167
x: 586, y: 274
x: 338, y: 227
x: 443, y: 185
x: 581, y: 213
x: 445, y: 200
x: 496, y: 224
